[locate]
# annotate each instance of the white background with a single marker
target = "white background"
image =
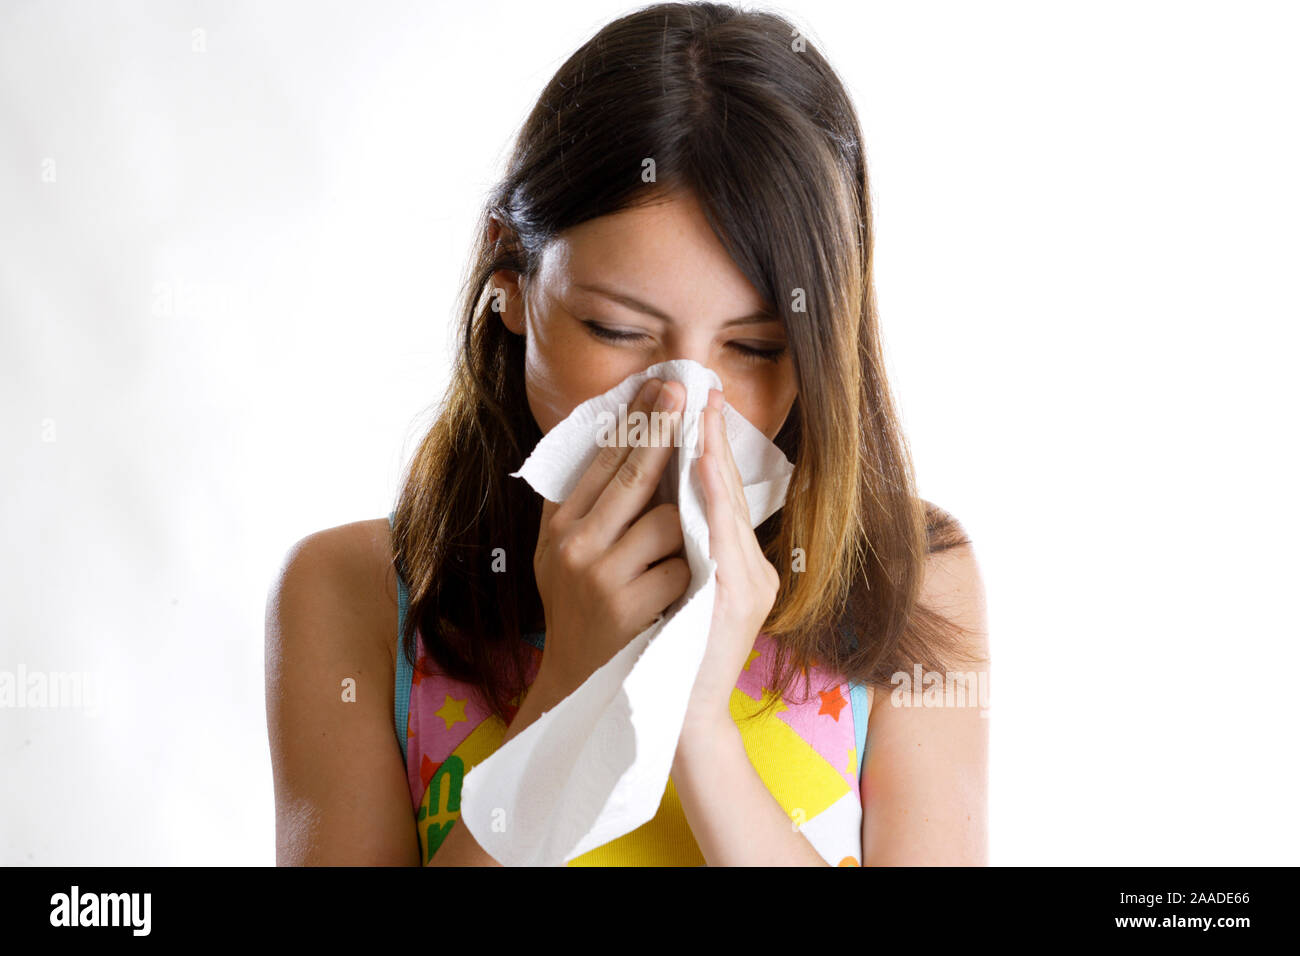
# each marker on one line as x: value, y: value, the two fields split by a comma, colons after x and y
x: 1086, y: 247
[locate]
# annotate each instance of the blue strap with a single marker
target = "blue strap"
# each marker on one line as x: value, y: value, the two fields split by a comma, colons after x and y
x: 402, y: 681
x: 861, y: 712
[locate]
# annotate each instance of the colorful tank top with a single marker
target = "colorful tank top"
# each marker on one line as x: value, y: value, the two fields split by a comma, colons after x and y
x: 808, y: 753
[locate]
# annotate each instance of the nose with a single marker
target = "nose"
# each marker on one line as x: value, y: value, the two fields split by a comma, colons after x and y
x: 698, y: 352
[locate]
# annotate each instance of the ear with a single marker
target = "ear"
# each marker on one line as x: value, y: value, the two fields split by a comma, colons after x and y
x: 506, y: 299
x: 505, y: 290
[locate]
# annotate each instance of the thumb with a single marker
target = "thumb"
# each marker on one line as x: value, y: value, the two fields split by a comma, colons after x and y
x: 549, y: 508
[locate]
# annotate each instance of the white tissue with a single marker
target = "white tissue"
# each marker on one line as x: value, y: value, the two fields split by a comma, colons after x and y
x: 596, y: 765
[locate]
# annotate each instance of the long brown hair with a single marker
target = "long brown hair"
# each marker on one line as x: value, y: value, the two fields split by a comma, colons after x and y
x: 737, y: 108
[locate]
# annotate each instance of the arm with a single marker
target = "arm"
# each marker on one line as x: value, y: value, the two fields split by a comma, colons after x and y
x: 341, y: 794
x: 734, y: 817
x: 925, y: 778
x: 926, y: 769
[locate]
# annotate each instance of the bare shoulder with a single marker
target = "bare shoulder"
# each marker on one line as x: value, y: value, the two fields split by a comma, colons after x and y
x: 331, y: 631
x: 348, y: 571
x: 953, y: 583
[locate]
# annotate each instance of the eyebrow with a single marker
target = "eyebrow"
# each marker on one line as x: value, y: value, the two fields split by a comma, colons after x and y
x: 638, y: 306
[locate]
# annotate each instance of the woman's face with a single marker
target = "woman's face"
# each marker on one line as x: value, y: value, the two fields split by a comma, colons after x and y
x: 618, y: 294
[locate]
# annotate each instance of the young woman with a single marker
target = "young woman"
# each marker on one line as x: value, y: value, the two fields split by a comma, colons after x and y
x: 691, y: 184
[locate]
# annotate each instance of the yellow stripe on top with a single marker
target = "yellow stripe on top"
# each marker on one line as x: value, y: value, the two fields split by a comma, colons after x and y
x: 800, y: 779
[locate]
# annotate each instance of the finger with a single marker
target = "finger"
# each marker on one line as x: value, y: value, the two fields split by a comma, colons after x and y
x: 549, y: 508
x: 655, y: 588
x: 607, y: 461
x: 746, y: 541
x: 631, y: 487
x: 724, y: 545
x: 730, y: 459
x: 653, y: 537
x: 721, y: 448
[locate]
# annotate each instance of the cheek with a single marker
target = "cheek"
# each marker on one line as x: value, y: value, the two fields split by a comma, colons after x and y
x: 564, y: 367
x: 763, y: 397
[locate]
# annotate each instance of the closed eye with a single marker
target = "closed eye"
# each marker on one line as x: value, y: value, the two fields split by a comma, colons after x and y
x: 746, y: 351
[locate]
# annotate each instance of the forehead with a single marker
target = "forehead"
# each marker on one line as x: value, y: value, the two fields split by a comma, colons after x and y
x: 664, y: 253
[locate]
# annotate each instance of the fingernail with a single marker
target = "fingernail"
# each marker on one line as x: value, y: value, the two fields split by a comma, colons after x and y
x: 650, y: 389
x: 666, y: 399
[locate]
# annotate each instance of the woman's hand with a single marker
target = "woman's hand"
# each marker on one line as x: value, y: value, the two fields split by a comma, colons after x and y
x: 596, y: 554
x: 747, y: 582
